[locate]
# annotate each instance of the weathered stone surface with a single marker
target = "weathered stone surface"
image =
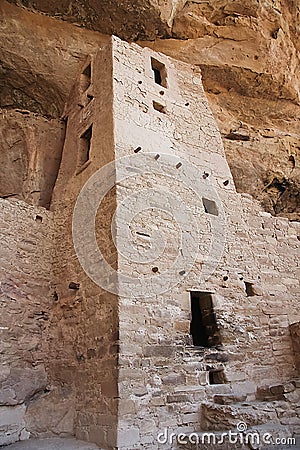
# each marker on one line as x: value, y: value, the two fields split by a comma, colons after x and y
x: 31, y: 148
x: 226, y: 417
x: 12, y: 424
x: 20, y: 384
x: 40, y: 57
x: 51, y: 414
x: 142, y: 19
x: 227, y: 399
x: 53, y: 444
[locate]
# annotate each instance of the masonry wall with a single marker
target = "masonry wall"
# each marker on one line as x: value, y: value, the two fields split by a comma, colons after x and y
x: 161, y: 376
x: 121, y: 366
x: 25, y: 311
x: 85, y: 320
x: 163, y: 379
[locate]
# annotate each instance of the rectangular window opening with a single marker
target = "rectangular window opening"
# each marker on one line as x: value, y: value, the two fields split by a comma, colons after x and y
x: 203, y: 327
x: 217, y: 376
x: 159, y: 72
x: 85, y: 78
x: 249, y: 289
x: 85, y: 146
x: 158, y: 107
x: 210, y: 207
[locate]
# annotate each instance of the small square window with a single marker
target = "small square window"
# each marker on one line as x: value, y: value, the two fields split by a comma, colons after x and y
x: 159, y: 72
x: 159, y: 107
x: 216, y: 376
x: 210, y: 207
x: 85, y: 145
x: 250, y: 292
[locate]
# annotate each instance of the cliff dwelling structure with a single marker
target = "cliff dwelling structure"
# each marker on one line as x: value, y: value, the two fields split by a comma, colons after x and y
x: 150, y: 227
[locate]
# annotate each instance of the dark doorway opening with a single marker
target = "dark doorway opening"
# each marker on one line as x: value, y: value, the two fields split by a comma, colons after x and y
x: 203, y: 328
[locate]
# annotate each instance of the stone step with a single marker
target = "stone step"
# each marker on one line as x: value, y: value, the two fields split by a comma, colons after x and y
x: 228, y: 399
x: 227, y: 416
x: 52, y: 444
x: 240, y: 391
x: 280, y: 391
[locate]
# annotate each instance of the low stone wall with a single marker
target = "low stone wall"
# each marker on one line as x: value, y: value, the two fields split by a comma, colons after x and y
x: 25, y: 301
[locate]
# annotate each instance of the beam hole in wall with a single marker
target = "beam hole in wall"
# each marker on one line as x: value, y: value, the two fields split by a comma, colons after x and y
x: 249, y: 289
x: 85, y: 78
x: 203, y: 327
x: 159, y: 72
x: 210, y: 207
x: 85, y: 146
x: 158, y: 107
x: 143, y: 234
x: 216, y: 376
x: 90, y: 97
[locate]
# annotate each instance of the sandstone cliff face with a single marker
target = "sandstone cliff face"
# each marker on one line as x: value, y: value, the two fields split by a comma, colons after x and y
x: 142, y: 19
x: 248, y: 53
x: 30, y: 156
x: 249, y: 56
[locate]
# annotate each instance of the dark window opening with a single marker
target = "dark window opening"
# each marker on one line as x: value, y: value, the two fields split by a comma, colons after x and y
x: 210, y: 207
x: 157, y: 76
x: 203, y: 328
x: 85, y: 79
x: 158, y: 107
x: 216, y: 376
x: 85, y: 146
x: 159, y: 72
x: 249, y: 289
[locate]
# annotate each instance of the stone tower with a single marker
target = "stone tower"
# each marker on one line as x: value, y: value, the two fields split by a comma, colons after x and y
x: 172, y: 294
x: 140, y: 130
x: 132, y: 103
